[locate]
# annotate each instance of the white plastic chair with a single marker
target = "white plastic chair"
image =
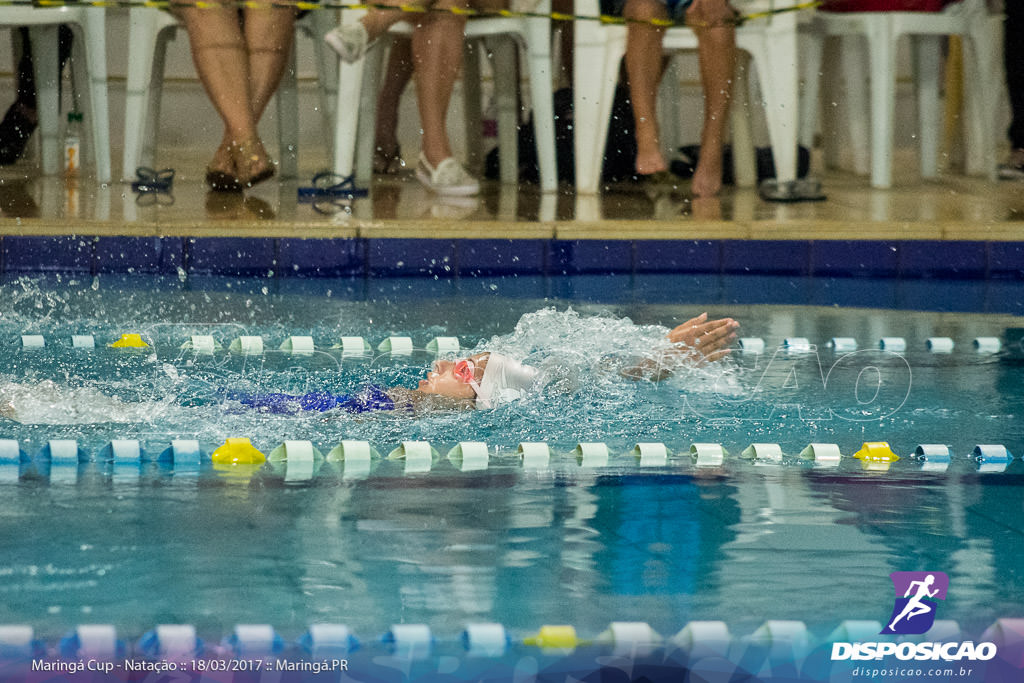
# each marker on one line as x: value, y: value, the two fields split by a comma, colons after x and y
x: 881, y: 31
x: 89, y: 65
x: 771, y: 41
x: 149, y: 32
x: 357, y: 97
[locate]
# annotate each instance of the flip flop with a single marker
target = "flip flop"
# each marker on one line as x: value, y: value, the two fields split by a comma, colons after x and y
x: 328, y: 185
x: 150, y: 180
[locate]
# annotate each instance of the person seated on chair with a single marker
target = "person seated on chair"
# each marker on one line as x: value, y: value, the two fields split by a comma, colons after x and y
x: 436, y: 54
x: 21, y: 120
x: 1013, y: 55
x: 240, y: 55
x: 712, y: 21
x: 387, y: 154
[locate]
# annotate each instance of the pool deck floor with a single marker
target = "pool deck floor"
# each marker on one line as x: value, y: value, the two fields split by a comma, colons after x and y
x: 951, y: 207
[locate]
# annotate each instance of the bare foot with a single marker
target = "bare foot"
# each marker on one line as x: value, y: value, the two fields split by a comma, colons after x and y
x: 648, y: 152
x: 222, y: 161
x: 252, y: 163
x: 707, y: 178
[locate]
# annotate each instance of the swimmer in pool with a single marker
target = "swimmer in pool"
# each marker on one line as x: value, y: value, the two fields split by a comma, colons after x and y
x: 488, y: 379
x: 480, y: 381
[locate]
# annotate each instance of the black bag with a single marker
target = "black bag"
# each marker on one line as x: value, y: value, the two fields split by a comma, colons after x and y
x: 620, y: 146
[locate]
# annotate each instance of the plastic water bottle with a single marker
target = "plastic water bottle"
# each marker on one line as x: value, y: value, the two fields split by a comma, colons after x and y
x: 73, y: 144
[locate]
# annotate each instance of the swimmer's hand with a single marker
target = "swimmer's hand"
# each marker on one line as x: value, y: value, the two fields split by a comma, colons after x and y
x: 704, y: 340
x: 695, y: 342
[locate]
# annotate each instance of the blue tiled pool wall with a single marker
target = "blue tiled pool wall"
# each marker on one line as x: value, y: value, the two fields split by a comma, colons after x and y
x: 372, y: 257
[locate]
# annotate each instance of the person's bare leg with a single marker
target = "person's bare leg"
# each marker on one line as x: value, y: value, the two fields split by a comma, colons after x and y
x: 437, y: 55
x: 221, y: 60
x: 644, y: 68
x: 399, y: 71
x: 716, y: 48
x: 378, y: 21
x: 269, y: 32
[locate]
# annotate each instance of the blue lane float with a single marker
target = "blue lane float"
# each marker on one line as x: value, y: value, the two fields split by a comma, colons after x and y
x: 121, y: 451
x: 174, y: 642
x: 777, y: 650
x: 751, y: 345
x: 18, y: 642
x: 183, y: 454
x: 591, y: 454
x: 763, y: 452
x: 299, y: 460
x: 987, y: 344
x: 469, y: 456
x: 409, y: 641
x: 247, y: 345
x: 418, y: 456
x: 895, y: 344
x: 933, y: 457
x: 991, y: 457
x: 486, y: 640
x: 652, y: 454
x: 93, y: 641
x: 708, y: 454
x: 822, y: 454
x: 630, y: 638
x: 842, y: 344
x: 796, y: 345
x: 32, y: 342
x: 704, y: 639
x: 254, y: 640
x: 328, y: 640
x: 534, y: 455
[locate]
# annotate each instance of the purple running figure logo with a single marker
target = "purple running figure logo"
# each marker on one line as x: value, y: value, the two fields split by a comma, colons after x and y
x: 916, y: 601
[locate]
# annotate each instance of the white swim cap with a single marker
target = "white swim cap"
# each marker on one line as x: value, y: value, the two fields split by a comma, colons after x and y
x: 504, y: 380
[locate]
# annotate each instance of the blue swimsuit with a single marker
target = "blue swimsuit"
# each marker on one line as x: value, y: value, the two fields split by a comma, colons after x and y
x: 371, y: 398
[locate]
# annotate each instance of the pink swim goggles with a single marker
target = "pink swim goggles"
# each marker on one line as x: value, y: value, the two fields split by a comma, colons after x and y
x: 465, y: 371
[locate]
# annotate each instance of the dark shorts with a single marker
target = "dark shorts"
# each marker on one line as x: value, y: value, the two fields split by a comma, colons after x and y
x: 676, y: 8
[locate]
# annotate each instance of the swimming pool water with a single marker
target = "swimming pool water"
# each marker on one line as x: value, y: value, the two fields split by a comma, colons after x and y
x: 139, y: 544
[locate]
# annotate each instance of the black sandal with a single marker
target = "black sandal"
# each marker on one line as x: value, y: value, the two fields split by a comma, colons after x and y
x: 15, y: 131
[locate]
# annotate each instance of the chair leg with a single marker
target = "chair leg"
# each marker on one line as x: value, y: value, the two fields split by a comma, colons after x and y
x: 327, y: 64
x: 539, y: 55
x: 856, y: 97
x: 471, y: 106
x: 138, y: 93
x: 598, y: 50
x: 779, y: 76
x: 744, y: 160
x: 46, y: 66
x: 883, y: 100
x: 927, y: 56
x: 982, y: 89
x: 373, y: 68
x: 506, y: 102
x: 811, y: 49
x: 287, y: 119
x: 96, y: 71
x: 156, y: 89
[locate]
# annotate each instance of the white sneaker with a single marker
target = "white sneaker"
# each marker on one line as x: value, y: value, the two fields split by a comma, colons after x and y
x: 350, y: 41
x: 449, y: 178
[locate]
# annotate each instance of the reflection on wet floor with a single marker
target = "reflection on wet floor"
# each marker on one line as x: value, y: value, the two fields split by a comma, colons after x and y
x: 953, y: 207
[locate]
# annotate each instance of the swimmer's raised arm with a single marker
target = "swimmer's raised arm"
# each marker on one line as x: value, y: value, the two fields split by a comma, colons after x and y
x: 696, y: 341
